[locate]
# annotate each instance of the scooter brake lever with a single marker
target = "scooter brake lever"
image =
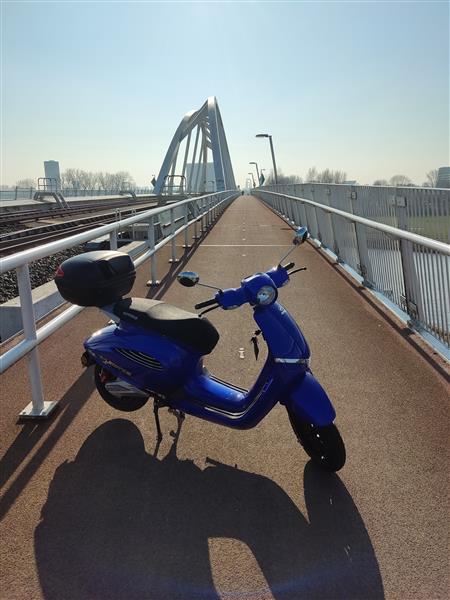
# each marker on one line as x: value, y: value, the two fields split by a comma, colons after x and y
x: 297, y: 270
x: 208, y: 310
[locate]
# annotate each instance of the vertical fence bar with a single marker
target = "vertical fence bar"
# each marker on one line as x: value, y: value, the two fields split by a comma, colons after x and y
x: 413, y: 301
x: 203, y: 219
x: 364, y: 266
x: 196, y: 217
x: 37, y: 409
x: 296, y: 209
x: 172, y: 232
x: 186, y: 231
x: 153, y: 281
x: 208, y: 213
x: 113, y: 240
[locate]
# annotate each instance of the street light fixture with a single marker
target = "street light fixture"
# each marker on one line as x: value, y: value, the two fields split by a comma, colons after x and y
x: 266, y: 135
x: 253, y: 178
x: 257, y: 170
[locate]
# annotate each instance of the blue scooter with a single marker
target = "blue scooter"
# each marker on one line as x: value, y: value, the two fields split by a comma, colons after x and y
x: 154, y: 350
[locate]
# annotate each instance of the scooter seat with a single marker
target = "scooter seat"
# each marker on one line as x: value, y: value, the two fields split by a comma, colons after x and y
x: 171, y: 321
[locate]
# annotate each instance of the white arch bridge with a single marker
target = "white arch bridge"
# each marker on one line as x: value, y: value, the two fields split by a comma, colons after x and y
x: 186, y: 167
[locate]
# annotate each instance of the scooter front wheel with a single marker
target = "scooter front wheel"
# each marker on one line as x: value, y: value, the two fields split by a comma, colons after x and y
x: 123, y: 403
x: 324, y: 445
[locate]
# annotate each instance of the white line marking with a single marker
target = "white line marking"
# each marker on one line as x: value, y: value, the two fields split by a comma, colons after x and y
x: 245, y: 246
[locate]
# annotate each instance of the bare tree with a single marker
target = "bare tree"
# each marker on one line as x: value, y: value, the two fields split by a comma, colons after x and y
x: 87, y: 180
x: 432, y: 177
x: 325, y: 176
x: 25, y: 183
x: 381, y: 182
x: 311, y: 175
x: 283, y: 178
x: 400, y: 180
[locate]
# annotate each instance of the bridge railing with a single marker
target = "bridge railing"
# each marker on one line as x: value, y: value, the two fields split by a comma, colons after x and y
x: 164, y: 225
x: 409, y: 271
x: 425, y: 211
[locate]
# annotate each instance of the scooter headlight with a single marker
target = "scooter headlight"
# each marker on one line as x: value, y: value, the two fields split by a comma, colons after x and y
x: 266, y: 295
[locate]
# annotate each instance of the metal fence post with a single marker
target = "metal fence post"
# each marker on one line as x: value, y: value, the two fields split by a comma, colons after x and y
x: 413, y: 300
x: 296, y: 209
x: 203, y: 217
x: 328, y: 223
x: 37, y: 409
x: 365, y: 266
x: 196, y: 212
x: 172, y: 232
x: 151, y: 242
x: 186, y: 224
x: 305, y: 214
x: 208, y: 213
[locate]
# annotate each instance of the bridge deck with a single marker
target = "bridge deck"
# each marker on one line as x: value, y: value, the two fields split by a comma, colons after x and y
x: 89, y: 512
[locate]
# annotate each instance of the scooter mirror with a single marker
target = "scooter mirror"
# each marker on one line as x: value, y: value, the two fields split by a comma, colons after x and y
x: 301, y: 235
x: 188, y: 278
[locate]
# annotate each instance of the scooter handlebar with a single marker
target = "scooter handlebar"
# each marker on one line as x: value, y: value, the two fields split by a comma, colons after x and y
x: 206, y: 303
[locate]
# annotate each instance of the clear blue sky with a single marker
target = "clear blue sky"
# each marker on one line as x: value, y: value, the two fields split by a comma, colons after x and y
x: 357, y: 86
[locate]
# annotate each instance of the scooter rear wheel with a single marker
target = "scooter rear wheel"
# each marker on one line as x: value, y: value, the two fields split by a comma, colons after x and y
x: 324, y: 445
x: 125, y: 404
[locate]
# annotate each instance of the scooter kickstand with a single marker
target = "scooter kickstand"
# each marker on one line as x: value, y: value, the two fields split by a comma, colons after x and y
x: 156, y: 413
x: 180, y: 415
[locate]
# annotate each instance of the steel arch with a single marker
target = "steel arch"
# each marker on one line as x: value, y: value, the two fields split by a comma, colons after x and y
x: 209, y: 135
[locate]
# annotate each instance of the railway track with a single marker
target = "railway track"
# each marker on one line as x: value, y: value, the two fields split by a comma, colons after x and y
x: 24, y: 239
x: 27, y: 216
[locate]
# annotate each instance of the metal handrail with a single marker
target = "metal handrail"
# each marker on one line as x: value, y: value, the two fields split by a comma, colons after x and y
x: 207, y: 206
x: 415, y: 238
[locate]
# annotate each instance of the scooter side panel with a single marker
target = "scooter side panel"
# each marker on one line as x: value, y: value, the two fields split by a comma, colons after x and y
x: 309, y: 401
x: 144, y: 359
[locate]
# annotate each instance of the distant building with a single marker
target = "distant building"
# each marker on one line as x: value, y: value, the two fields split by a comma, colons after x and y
x: 51, y: 169
x: 443, y: 180
x: 195, y: 180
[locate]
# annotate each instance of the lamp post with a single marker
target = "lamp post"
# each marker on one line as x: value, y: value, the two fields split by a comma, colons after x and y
x: 257, y: 170
x: 266, y: 135
x: 253, y: 178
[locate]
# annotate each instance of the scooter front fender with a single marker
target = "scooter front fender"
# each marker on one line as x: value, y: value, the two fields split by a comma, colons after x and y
x: 309, y: 401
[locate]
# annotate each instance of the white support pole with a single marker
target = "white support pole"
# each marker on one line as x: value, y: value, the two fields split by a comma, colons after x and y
x: 365, y: 266
x: 186, y: 231
x: 153, y: 281
x: 414, y: 305
x: 173, y: 228
x: 196, y: 216
x: 113, y: 240
x: 37, y: 409
x: 204, y: 223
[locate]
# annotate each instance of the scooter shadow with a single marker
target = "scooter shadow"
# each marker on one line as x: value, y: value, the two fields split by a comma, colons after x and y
x: 119, y: 523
